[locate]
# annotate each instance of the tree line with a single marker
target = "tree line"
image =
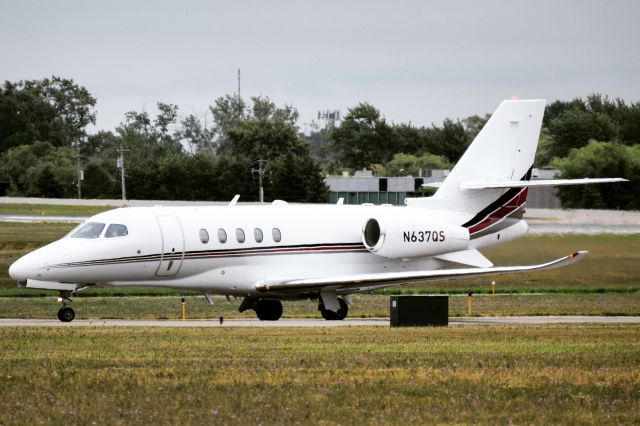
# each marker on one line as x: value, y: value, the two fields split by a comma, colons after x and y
x: 213, y: 156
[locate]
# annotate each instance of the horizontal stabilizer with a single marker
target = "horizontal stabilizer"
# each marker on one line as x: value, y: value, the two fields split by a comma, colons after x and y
x: 370, y: 281
x: 467, y: 257
x: 432, y: 185
x: 529, y: 183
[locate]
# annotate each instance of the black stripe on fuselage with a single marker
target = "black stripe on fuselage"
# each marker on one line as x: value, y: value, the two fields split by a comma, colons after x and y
x: 236, y: 252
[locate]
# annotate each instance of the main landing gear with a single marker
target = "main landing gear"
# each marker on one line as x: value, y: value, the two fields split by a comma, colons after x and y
x: 271, y: 309
x: 266, y: 309
x: 339, y: 315
x: 66, y: 312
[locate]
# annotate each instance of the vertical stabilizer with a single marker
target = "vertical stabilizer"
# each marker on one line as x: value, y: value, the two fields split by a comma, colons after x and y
x: 504, y: 150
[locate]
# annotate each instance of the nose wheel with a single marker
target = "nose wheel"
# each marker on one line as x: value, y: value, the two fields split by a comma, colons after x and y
x: 66, y: 312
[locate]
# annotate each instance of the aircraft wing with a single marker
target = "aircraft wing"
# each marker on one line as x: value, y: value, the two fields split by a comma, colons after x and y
x: 366, y: 282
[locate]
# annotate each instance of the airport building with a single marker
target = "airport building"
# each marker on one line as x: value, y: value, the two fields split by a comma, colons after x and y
x: 363, y: 187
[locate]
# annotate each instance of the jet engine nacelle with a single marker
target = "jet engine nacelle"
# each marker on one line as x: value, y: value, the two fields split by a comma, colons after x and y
x: 394, y: 240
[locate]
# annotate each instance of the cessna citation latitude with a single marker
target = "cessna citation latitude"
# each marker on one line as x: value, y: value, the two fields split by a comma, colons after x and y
x: 269, y: 253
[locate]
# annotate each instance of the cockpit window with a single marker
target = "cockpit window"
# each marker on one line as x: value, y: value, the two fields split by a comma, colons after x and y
x: 116, y: 230
x: 89, y: 230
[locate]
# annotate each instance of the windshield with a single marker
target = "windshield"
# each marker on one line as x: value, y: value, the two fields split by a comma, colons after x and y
x: 116, y: 230
x: 89, y: 230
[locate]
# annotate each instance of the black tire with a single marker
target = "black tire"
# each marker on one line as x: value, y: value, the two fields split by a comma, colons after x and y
x: 335, y: 316
x: 268, y: 310
x: 66, y: 314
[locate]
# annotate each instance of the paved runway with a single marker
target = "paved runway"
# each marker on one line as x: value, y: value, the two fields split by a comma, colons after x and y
x: 306, y: 322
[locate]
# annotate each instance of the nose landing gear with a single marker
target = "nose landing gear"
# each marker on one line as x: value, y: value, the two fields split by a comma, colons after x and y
x: 66, y: 312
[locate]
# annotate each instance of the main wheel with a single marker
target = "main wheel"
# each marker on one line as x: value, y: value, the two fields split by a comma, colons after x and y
x: 268, y: 310
x: 333, y: 316
x: 66, y: 314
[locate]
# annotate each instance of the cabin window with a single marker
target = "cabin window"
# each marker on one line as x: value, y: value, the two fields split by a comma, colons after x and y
x: 240, y: 235
x: 116, y: 230
x: 204, y: 236
x: 257, y: 234
x: 277, y: 236
x: 222, y: 236
x: 89, y: 230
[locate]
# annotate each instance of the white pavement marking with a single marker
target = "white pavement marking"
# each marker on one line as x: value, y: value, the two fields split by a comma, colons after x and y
x: 306, y: 322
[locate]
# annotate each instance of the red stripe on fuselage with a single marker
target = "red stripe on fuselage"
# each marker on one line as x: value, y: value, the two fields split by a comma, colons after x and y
x: 501, y: 212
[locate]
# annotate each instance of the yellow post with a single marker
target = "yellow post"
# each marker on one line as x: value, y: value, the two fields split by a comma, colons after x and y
x: 469, y: 304
x: 184, y: 309
x: 493, y: 290
x: 42, y: 217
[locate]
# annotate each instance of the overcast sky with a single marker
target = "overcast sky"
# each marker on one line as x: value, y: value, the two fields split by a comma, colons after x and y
x: 417, y: 61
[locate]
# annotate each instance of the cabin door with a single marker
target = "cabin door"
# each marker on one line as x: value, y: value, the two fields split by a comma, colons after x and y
x: 172, y: 252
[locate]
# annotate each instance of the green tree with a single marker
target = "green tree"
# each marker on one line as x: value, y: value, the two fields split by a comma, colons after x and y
x: 576, y: 127
x: 601, y: 159
x: 363, y: 138
x: 39, y: 170
x: 410, y: 165
x: 267, y: 132
x: 449, y: 141
x: 54, y: 110
x: 197, y: 134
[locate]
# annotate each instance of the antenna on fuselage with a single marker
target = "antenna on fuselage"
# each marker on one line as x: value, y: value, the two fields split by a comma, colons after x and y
x: 234, y: 200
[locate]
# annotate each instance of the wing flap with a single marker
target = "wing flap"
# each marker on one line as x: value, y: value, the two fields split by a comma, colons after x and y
x: 470, y: 257
x: 390, y: 278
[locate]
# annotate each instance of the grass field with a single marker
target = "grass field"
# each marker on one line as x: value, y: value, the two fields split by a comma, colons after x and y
x: 588, y: 374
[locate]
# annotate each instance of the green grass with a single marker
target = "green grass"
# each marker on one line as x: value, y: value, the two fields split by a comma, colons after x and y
x: 564, y: 374
x: 364, y: 306
x: 52, y: 210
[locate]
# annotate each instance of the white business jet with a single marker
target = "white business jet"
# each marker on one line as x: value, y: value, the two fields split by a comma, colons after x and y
x: 269, y: 253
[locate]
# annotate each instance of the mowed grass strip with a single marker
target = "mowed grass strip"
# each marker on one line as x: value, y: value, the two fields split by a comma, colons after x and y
x: 51, y: 209
x: 587, y: 374
x: 364, y: 306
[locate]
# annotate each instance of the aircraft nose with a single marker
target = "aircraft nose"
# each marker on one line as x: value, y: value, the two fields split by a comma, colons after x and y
x: 23, y: 268
x: 18, y: 270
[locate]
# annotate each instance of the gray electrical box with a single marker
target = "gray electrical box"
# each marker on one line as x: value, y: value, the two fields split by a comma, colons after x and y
x: 416, y: 311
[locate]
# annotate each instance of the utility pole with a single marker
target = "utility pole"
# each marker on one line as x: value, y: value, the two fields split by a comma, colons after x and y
x: 261, y: 171
x: 122, y: 173
x: 239, y: 82
x: 80, y: 174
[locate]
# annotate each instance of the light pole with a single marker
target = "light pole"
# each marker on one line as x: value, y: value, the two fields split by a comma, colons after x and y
x: 79, y: 169
x: 122, y: 173
x: 261, y: 171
